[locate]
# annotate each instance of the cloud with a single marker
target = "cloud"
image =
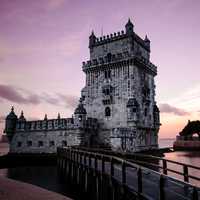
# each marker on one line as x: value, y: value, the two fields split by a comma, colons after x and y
x: 70, y: 101
x: 13, y: 94
x: 166, y: 108
x: 22, y: 96
x: 54, y: 4
x: 189, y: 99
x: 51, y: 99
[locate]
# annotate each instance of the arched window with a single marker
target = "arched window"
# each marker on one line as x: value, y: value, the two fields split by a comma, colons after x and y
x: 64, y: 143
x: 107, y: 112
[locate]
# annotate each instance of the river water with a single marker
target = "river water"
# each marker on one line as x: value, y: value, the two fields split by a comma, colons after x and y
x: 46, y: 177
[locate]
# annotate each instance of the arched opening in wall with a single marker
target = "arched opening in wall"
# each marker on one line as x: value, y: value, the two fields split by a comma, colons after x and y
x: 40, y: 143
x: 29, y: 143
x: 145, y: 112
x: 51, y: 143
x: 107, y: 112
x: 19, y: 144
x: 64, y: 143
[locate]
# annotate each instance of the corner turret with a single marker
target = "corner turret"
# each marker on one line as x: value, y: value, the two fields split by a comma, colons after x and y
x: 21, y: 123
x: 129, y: 27
x: 22, y: 118
x: 147, y: 42
x: 80, y: 114
x: 92, y: 39
x: 11, y: 122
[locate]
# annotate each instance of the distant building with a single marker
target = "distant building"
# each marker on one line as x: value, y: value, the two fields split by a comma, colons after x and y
x: 117, y: 108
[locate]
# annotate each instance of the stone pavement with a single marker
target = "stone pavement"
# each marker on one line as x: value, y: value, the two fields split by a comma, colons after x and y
x: 15, y: 190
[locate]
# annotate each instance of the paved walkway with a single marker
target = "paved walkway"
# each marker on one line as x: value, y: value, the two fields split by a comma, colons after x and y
x: 15, y: 190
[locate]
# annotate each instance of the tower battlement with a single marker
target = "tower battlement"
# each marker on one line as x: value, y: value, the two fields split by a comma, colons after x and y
x: 118, y: 44
x: 120, y: 35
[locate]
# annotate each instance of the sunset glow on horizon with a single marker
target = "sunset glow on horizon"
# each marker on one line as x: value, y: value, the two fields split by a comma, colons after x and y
x: 43, y: 44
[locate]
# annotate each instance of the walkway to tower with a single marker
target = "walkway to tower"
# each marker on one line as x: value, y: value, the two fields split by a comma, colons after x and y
x: 104, y: 176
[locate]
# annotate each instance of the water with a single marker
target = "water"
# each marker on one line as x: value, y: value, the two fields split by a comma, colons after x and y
x: 42, y: 176
x: 4, y: 147
x: 166, y: 142
x: 47, y: 178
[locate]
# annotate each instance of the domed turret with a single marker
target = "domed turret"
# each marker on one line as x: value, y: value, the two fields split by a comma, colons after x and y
x: 11, y: 121
x: 129, y: 27
x: 11, y: 115
x: 80, y: 114
x: 21, y: 122
x: 80, y: 109
x: 22, y: 118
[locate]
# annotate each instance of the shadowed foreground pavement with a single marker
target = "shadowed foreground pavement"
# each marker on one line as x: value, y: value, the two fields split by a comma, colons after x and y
x: 15, y: 190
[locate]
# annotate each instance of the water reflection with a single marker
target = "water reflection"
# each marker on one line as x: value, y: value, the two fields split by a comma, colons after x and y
x: 188, y: 157
x: 45, y: 177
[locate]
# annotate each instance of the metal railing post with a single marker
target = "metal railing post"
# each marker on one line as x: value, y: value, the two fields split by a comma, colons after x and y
x: 112, y: 167
x: 185, y: 173
x: 164, y: 167
x: 95, y: 163
x: 194, y: 194
x: 161, y: 189
x: 103, y: 164
x: 90, y: 161
x: 123, y: 173
x: 139, y: 174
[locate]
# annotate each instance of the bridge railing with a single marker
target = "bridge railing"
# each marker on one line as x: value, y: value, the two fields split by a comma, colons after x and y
x: 165, y: 166
x: 162, y: 165
x: 146, y: 183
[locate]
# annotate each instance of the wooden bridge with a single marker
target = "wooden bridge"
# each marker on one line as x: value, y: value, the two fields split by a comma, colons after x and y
x: 102, y: 175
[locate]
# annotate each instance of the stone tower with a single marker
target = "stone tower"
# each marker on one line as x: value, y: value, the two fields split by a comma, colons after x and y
x: 120, y: 90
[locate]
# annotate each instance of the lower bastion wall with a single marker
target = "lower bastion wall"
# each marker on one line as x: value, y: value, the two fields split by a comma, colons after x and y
x: 44, y: 142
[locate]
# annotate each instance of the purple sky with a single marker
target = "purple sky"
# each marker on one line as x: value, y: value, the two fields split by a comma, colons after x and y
x: 43, y: 44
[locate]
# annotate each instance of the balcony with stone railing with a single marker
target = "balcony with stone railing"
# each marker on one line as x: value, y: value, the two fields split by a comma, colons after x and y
x: 125, y: 56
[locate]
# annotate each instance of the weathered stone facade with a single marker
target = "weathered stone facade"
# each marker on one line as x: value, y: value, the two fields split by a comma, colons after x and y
x: 120, y: 90
x: 117, y: 108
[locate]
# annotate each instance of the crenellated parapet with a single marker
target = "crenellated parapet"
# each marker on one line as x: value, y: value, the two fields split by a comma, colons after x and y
x: 120, y: 35
x: 54, y: 124
x: 45, y: 125
x: 109, y: 38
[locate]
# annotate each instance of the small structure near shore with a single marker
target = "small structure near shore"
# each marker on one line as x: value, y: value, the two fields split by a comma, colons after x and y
x: 189, y: 137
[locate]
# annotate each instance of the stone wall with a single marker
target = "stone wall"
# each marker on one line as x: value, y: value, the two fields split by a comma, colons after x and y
x: 44, y: 142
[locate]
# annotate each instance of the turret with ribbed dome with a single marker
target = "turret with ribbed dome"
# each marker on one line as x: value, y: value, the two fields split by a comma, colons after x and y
x: 80, y: 109
x: 92, y: 39
x: 80, y: 114
x: 11, y: 121
x: 22, y: 118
